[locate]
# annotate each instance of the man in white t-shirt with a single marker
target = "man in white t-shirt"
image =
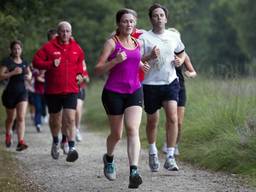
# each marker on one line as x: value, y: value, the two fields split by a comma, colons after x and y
x: 163, y: 50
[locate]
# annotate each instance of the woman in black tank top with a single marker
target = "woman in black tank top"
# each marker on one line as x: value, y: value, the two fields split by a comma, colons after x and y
x: 15, y: 96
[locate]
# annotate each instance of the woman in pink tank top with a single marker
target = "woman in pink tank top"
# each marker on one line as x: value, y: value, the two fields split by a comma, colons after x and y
x: 122, y: 94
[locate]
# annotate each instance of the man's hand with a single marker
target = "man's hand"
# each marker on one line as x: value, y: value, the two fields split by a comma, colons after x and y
x: 79, y: 79
x: 155, y: 52
x: 146, y: 67
x: 56, y: 62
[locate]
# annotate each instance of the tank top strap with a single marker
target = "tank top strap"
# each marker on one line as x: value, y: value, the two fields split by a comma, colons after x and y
x: 115, y: 38
x: 135, y: 42
x: 117, y: 41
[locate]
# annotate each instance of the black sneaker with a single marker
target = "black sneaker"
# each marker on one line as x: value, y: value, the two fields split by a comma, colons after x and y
x: 72, y: 155
x: 135, y: 180
x: 21, y: 147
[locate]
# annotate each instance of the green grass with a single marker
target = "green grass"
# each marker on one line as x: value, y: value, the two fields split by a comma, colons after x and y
x: 219, y: 131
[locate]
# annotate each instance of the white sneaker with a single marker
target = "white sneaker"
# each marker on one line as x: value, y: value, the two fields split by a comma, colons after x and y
x: 154, y: 162
x: 45, y: 119
x: 78, y: 135
x: 170, y: 164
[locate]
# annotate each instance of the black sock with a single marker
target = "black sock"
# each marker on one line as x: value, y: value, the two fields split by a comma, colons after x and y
x: 55, y: 140
x: 71, y: 144
x: 133, y: 167
x: 64, y: 138
x: 109, y: 158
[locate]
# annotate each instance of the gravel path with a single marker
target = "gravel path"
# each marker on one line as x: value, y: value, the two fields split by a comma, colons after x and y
x: 86, y: 173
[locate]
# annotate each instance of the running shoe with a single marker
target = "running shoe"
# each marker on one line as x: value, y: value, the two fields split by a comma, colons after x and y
x: 64, y: 146
x: 38, y: 128
x: 8, y: 140
x: 45, y: 119
x: 55, y: 151
x: 21, y: 147
x: 170, y: 164
x: 134, y: 180
x: 154, y: 162
x: 109, y: 169
x: 78, y: 135
x: 72, y: 155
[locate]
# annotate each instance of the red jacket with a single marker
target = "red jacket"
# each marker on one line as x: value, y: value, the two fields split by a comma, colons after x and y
x: 61, y: 79
x: 136, y: 34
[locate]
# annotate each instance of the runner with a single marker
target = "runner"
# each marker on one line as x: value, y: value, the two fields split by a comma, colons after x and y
x: 163, y: 50
x: 39, y: 98
x: 122, y: 93
x: 15, y: 95
x: 189, y: 72
x: 80, y: 101
x: 62, y: 59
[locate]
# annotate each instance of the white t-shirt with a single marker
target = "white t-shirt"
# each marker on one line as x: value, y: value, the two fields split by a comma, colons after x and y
x: 162, y: 71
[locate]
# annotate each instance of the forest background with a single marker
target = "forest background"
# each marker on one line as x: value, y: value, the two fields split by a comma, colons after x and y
x: 218, y: 34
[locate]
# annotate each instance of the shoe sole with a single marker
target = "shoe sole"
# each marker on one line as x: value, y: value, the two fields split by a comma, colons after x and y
x: 172, y: 169
x: 55, y: 157
x: 72, y: 156
x: 155, y: 170
x: 22, y: 148
x: 136, y: 183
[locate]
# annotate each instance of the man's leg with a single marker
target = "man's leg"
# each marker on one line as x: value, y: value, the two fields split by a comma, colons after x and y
x: 170, y: 108
x: 151, y: 130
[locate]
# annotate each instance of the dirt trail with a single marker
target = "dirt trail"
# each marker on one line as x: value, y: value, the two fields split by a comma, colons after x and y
x: 86, y: 173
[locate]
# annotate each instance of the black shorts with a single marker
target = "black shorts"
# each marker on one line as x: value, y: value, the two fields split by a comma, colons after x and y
x: 116, y: 103
x: 155, y: 95
x: 82, y: 94
x: 10, y: 99
x: 182, y: 97
x: 56, y: 102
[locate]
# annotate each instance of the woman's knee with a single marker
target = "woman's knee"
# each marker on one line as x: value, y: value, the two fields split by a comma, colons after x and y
x: 116, y: 136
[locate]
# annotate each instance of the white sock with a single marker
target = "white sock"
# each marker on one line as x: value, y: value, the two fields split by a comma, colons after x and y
x: 170, y: 152
x: 152, y: 149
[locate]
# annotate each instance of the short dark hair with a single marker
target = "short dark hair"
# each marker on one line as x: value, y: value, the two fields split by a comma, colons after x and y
x: 121, y: 12
x: 155, y: 6
x: 50, y: 33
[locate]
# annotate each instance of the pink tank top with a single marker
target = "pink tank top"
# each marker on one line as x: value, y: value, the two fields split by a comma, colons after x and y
x: 123, y: 77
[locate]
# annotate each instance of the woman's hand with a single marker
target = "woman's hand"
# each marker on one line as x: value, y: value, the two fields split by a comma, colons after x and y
x: 120, y: 57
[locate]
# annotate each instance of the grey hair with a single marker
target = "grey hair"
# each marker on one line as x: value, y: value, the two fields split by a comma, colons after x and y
x: 63, y: 23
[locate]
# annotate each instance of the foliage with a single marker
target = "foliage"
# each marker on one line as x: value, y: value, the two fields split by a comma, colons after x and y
x: 218, y: 35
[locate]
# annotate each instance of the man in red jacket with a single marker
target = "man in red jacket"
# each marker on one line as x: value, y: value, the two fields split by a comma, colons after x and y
x: 62, y: 58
